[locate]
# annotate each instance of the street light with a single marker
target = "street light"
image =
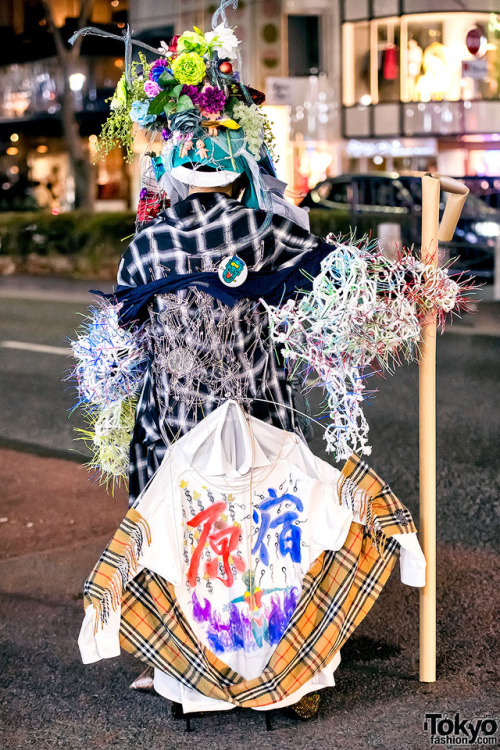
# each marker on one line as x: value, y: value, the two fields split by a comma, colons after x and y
x: 76, y: 81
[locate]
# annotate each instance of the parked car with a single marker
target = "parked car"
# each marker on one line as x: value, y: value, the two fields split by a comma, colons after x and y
x: 360, y: 202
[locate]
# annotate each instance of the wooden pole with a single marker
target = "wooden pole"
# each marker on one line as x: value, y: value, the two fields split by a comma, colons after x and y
x: 431, y: 232
x: 427, y: 438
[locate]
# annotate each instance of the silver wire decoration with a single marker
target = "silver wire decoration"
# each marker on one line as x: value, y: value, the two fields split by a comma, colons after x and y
x: 196, y: 361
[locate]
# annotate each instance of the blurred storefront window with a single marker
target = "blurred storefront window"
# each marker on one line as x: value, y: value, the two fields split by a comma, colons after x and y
x: 29, y: 87
x: 33, y: 88
x: 422, y: 58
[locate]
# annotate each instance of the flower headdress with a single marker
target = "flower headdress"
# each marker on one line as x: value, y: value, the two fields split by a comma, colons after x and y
x: 192, y: 96
x: 190, y: 92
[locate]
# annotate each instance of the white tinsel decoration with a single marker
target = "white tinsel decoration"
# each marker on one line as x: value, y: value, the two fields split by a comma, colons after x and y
x: 363, y: 308
x: 110, y: 366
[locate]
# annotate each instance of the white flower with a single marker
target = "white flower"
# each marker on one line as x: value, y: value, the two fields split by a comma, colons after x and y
x: 163, y: 50
x: 223, y: 38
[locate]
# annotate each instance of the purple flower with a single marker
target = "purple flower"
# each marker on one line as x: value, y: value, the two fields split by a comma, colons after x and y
x: 151, y: 89
x: 157, y: 68
x: 191, y: 91
x: 143, y: 193
x: 166, y: 134
x: 211, y: 100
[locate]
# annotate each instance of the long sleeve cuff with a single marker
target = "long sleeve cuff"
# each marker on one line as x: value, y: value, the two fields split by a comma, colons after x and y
x: 104, y: 643
x: 411, y: 561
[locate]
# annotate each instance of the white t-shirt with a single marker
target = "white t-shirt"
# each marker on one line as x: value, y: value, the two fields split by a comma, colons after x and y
x: 238, y: 511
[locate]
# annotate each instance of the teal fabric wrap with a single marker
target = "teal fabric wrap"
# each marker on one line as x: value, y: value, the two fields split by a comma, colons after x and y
x: 228, y: 152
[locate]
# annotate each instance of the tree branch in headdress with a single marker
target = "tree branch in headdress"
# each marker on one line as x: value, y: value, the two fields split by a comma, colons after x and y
x: 125, y: 38
x: 221, y: 11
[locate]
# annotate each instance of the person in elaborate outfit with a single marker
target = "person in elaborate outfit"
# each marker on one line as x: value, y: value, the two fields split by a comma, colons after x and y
x: 245, y: 562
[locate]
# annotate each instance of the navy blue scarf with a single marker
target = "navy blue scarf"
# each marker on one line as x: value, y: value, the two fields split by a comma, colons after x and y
x: 275, y: 287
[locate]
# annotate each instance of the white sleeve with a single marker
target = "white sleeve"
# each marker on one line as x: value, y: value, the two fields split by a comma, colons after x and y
x: 411, y: 560
x: 100, y: 643
x: 329, y: 521
x: 158, y: 503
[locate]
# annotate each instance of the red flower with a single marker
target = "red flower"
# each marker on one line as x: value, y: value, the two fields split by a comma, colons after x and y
x: 172, y: 47
x: 258, y: 96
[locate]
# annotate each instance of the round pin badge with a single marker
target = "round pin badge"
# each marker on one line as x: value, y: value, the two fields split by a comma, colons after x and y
x: 233, y: 271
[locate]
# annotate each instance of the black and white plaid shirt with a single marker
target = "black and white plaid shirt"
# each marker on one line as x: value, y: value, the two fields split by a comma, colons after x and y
x: 195, y: 235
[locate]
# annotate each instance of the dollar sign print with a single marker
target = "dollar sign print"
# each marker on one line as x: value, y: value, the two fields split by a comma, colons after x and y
x: 190, y: 501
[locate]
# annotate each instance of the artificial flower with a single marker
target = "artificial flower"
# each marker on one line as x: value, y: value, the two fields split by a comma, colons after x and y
x: 252, y: 122
x: 189, y: 68
x: 151, y: 88
x: 224, y: 40
x: 164, y: 49
x: 258, y: 97
x: 120, y: 96
x: 192, y: 41
x: 166, y: 134
x: 228, y: 123
x: 191, y: 91
x: 157, y: 68
x: 187, y: 122
x: 173, y: 44
x: 211, y: 99
x: 139, y: 114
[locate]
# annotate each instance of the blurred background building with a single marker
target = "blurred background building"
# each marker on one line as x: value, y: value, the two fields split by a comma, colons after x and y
x: 352, y: 85
x: 35, y: 167
x: 420, y: 84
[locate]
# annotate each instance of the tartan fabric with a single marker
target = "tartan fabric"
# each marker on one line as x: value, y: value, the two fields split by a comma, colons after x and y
x: 338, y: 591
x: 117, y: 564
x: 379, y: 507
x: 194, y: 235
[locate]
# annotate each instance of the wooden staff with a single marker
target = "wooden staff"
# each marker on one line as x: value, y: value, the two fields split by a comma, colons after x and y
x: 431, y: 233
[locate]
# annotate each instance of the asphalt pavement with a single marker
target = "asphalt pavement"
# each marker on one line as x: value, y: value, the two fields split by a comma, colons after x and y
x: 54, y: 524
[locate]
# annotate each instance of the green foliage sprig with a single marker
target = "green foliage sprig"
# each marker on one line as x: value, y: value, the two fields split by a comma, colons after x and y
x: 269, y: 137
x: 118, y: 130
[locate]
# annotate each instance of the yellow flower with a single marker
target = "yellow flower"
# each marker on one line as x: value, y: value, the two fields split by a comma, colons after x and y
x: 189, y: 68
x: 228, y: 123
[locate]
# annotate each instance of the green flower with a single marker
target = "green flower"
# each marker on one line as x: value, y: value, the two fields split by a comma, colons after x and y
x: 189, y: 68
x: 120, y: 96
x: 192, y: 41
